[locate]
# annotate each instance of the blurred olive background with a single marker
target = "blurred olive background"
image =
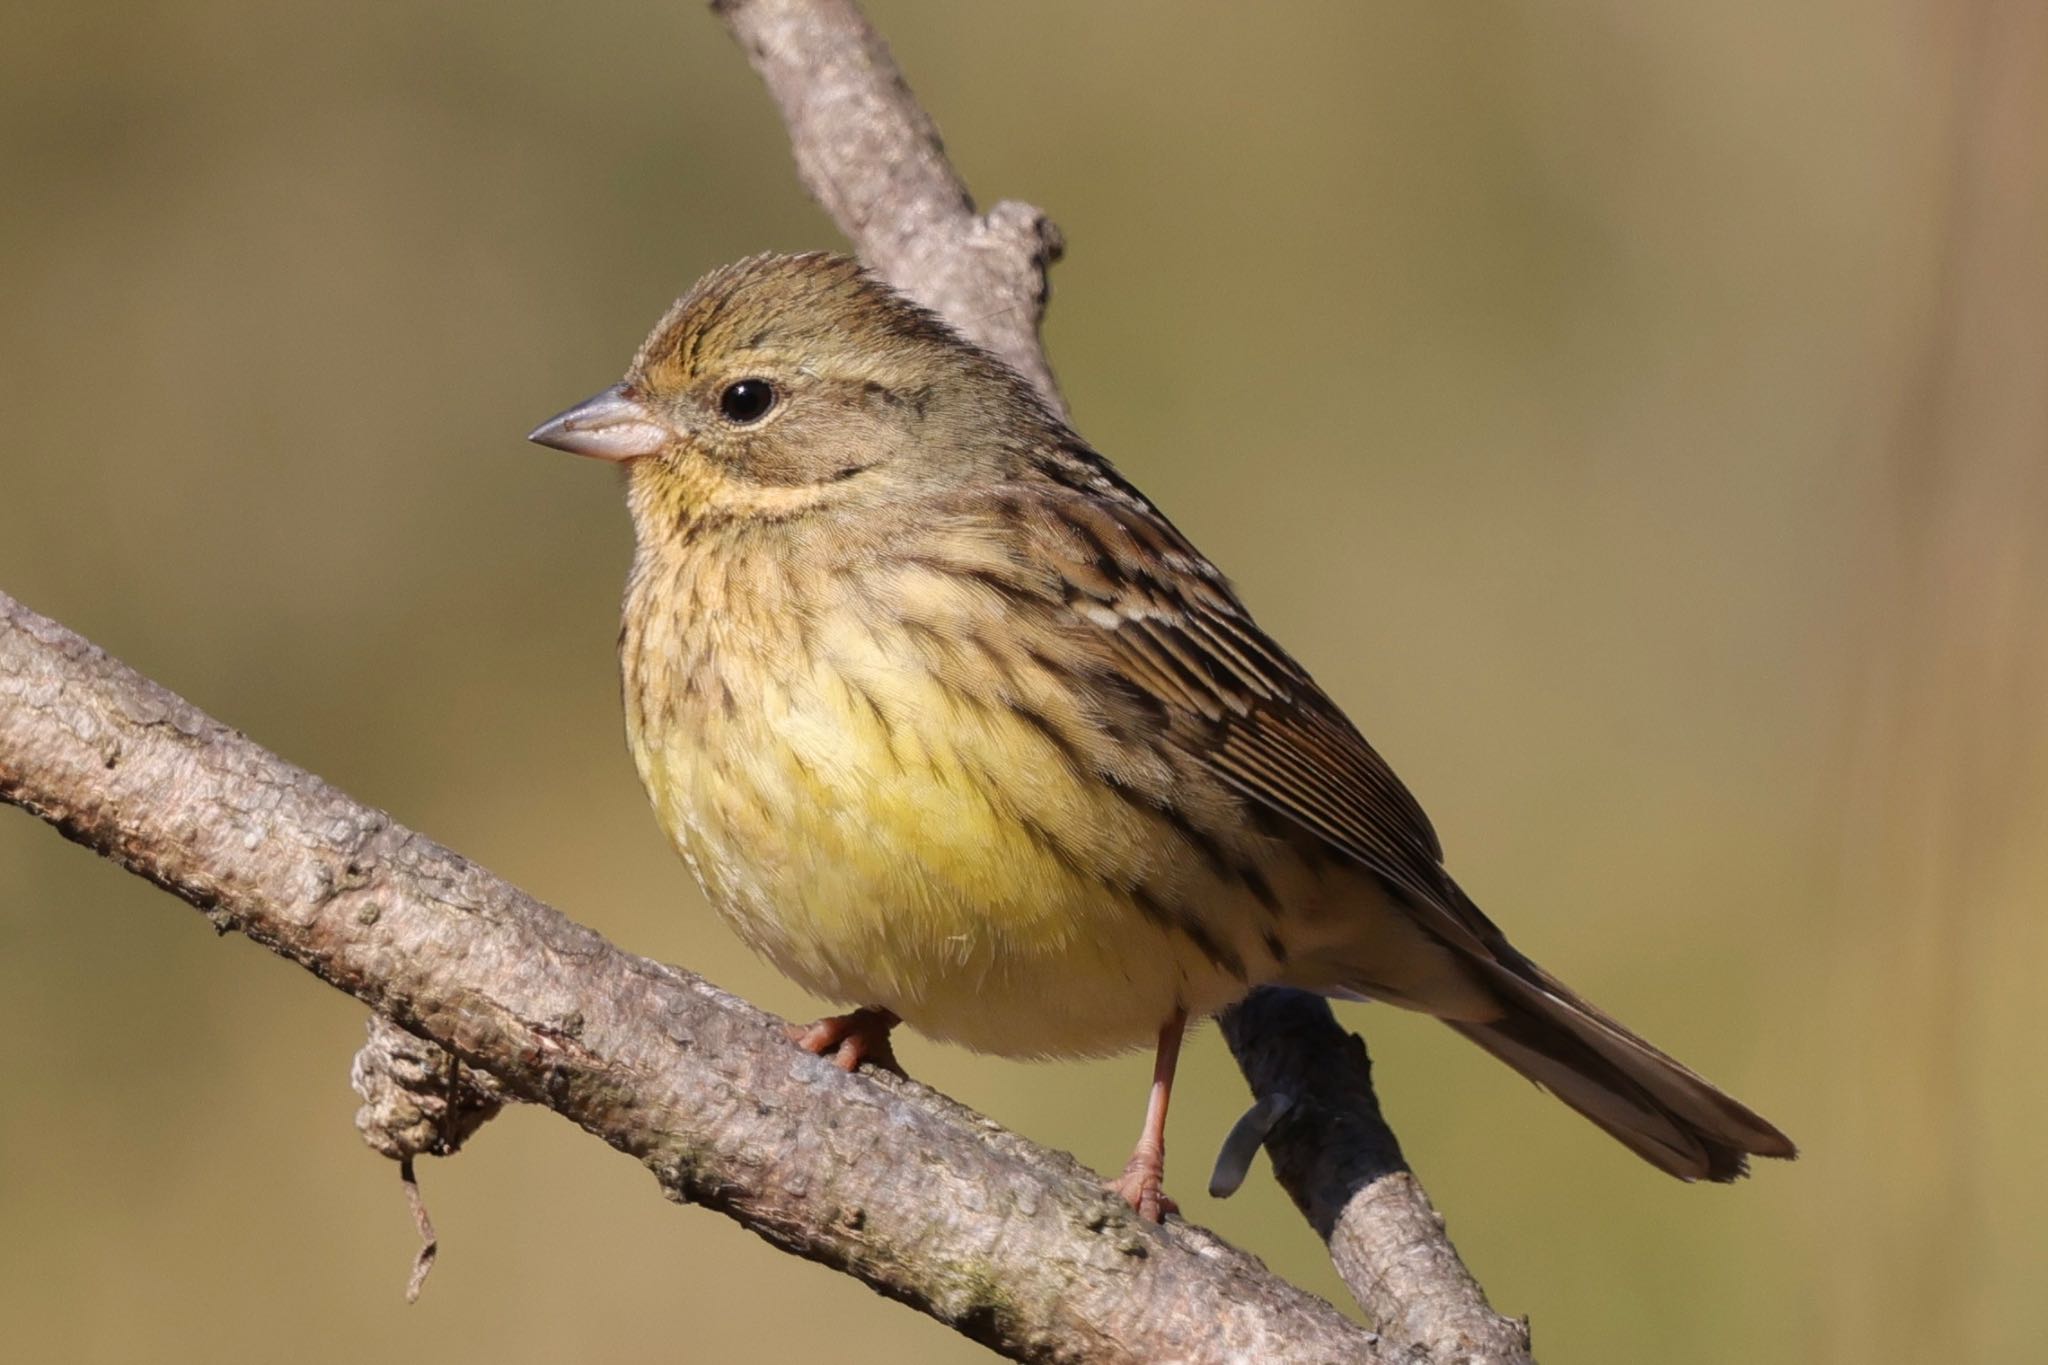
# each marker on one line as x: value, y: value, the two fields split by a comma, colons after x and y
x: 1633, y: 413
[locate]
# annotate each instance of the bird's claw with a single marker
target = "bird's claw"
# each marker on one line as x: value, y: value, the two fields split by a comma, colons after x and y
x: 1139, y: 1186
x: 851, y: 1040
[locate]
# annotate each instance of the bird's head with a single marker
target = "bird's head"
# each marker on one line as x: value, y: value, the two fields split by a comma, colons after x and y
x: 787, y: 383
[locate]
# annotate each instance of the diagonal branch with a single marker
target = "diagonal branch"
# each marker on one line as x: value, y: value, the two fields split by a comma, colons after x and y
x: 925, y: 1201
x: 871, y: 156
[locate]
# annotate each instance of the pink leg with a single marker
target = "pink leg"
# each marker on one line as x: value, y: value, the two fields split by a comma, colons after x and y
x: 850, y: 1039
x: 1139, y: 1184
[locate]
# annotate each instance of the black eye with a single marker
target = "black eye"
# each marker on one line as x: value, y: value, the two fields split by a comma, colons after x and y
x: 747, y: 401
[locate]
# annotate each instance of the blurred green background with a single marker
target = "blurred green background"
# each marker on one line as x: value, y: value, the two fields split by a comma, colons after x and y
x: 1633, y: 413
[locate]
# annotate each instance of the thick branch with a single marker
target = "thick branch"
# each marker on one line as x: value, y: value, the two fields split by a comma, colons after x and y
x: 872, y: 157
x: 1013, y: 1245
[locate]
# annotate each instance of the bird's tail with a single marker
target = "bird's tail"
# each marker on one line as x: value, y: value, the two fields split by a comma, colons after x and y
x: 1658, y: 1108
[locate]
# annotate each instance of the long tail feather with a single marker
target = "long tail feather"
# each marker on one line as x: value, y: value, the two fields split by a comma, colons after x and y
x: 1657, y: 1107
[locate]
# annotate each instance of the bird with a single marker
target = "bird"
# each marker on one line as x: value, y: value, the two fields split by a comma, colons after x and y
x: 956, y: 728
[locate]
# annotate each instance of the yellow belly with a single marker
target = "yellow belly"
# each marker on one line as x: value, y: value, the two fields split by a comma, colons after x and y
x: 884, y: 841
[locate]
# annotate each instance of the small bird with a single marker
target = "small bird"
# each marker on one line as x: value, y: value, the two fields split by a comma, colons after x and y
x: 954, y: 726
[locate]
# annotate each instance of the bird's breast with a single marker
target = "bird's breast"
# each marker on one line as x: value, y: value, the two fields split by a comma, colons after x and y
x: 896, y: 817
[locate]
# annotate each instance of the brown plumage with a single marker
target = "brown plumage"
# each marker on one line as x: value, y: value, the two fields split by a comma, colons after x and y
x: 952, y: 723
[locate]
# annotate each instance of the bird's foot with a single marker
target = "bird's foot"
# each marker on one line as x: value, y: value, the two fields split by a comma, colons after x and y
x: 851, y: 1039
x: 1139, y: 1186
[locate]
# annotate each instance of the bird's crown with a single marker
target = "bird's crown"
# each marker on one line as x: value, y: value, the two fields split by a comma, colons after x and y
x: 811, y: 303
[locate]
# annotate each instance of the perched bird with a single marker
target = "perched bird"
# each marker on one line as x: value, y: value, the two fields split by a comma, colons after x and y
x: 954, y: 726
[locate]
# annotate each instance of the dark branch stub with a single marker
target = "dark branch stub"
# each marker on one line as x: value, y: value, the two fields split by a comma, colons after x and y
x: 1242, y: 1142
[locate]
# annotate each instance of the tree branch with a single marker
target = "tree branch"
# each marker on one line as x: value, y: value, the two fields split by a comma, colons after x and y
x: 925, y: 1201
x: 871, y: 156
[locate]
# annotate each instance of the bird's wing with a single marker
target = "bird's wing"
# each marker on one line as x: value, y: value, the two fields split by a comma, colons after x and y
x: 1169, y: 625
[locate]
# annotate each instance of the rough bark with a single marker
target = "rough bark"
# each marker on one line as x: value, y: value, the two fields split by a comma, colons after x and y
x: 928, y: 1203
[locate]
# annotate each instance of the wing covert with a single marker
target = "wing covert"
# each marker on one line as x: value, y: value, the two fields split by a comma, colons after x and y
x: 1168, y: 623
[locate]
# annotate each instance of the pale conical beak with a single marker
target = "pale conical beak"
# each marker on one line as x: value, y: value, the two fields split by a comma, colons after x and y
x: 612, y: 425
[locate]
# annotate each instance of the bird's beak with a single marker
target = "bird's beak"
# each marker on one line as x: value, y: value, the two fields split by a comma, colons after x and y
x: 613, y: 425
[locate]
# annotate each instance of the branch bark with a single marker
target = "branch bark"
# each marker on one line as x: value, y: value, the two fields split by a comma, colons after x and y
x: 869, y: 153
x: 1013, y: 1245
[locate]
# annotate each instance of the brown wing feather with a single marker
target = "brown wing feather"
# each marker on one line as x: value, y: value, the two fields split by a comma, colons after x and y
x: 1171, y: 625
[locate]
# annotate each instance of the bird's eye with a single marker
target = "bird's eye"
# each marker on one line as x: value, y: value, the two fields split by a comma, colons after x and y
x: 747, y: 401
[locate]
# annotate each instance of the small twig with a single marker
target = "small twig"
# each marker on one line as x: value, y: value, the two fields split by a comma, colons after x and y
x: 417, y: 1101
x: 430, y: 1245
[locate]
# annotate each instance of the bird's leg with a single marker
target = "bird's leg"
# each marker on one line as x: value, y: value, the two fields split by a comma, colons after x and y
x: 1139, y: 1184
x: 850, y: 1039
